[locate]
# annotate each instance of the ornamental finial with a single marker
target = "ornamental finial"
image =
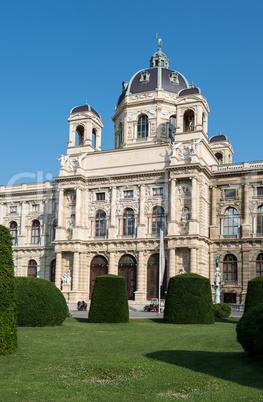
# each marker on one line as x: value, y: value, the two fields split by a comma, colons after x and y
x: 159, y: 42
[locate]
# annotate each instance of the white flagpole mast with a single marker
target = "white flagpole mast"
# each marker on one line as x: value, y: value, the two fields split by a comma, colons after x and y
x: 161, y: 266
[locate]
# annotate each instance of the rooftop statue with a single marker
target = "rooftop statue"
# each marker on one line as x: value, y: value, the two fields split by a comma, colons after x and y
x: 159, y: 41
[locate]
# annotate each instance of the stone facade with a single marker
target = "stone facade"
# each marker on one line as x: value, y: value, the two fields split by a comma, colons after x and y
x: 104, y: 211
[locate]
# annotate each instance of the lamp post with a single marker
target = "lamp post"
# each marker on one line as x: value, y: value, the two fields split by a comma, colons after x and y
x: 217, y: 283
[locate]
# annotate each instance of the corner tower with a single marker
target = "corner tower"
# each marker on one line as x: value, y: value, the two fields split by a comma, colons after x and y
x: 85, y: 127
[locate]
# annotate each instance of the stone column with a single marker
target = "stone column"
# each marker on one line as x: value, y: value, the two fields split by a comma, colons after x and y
x: 75, y: 285
x: 112, y: 231
x: 199, y: 118
x: 59, y: 261
x: 213, y: 226
x: 245, y: 225
x: 140, y: 293
x: 172, y: 226
x: 193, y: 261
x: 141, y: 226
x: 222, y: 227
x: 193, y: 224
x: 112, y: 266
x: 171, y: 270
x: 79, y: 205
x: 61, y: 208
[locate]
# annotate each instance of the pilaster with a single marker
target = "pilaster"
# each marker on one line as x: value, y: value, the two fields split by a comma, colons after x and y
x: 140, y: 293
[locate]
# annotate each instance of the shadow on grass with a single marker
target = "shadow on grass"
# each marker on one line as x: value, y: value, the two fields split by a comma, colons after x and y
x: 80, y: 319
x: 235, y: 367
x: 230, y: 320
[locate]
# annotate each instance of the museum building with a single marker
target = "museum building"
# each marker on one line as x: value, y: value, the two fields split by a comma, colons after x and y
x: 104, y: 211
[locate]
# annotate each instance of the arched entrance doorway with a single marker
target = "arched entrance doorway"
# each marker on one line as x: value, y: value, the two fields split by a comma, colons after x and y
x: 127, y: 269
x: 153, y: 278
x: 98, y: 267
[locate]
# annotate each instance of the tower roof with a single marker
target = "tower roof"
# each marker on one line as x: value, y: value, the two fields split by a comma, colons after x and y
x: 85, y: 108
x: 158, y: 76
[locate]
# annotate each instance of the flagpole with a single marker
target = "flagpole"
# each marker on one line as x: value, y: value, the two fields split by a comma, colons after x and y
x: 161, y: 268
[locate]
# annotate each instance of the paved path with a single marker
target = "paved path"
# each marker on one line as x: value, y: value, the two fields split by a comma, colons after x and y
x: 139, y: 314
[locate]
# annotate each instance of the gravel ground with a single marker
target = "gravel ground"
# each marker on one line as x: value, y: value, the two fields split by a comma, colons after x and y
x: 138, y: 314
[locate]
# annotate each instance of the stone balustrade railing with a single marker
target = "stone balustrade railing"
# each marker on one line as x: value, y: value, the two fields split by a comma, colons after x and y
x: 237, y: 166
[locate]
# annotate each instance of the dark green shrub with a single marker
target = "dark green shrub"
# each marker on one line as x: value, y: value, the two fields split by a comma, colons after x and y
x: 254, y: 294
x: 250, y: 331
x: 189, y: 300
x: 39, y: 303
x: 222, y: 310
x: 8, y: 335
x: 109, y: 301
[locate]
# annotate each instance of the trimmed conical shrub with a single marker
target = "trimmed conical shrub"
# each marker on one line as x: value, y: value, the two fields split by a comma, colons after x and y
x: 250, y: 331
x: 39, y: 303
x: 109, y: 301
x: 189, y: 300
x: 254, y: 294
x: 8, y: 335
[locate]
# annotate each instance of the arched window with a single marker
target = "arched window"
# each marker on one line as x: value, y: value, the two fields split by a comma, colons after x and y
x: 231, y: 222
x: 172, y: 126
x: 128, y: 222
x: 35, y: 232
x: 260, y: 220
x: 142, y: 126
x: 79, y: 141
x: 32, y: 268
x: 98, y: 267
x: 119, y: 136
x: 127, y: 269
x: 94, y: 133
x: 259, y: 265
x: 230, y: 268
x: 100, y: 223
x: 219, y: 157
x: 13, y: 232
x: 158, y: 220
x: 53, y: 271
x: 189, y: 120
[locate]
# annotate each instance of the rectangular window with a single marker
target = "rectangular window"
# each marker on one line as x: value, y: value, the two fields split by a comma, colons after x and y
x: 35, y: 207
x: 13, y: 209
x: 231, y: 193
x: 128, y: 194
x: 259, y: 190
x: 100, y: 196
x: 230, y: 298
x: 157, y: 191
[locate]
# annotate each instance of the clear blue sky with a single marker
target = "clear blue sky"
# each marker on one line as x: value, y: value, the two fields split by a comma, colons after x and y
x: 57, y: 54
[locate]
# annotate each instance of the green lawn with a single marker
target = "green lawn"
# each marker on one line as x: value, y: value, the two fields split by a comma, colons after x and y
x: 143, y: 360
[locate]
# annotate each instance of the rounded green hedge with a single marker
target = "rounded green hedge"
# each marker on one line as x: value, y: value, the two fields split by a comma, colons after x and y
x: 254, y: 294
x: 109, y: 301
x: 8, y: 323
x: 39, y: 303
x: 250, y: 331
x: 189, y: 300
x: 222, y: 310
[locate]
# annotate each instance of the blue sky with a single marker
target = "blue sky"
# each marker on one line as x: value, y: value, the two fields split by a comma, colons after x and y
x: 57, y: 54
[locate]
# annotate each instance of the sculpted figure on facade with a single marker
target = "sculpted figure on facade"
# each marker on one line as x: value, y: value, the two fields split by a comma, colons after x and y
x: 63, y: 159
x: 71, y: 198
x: 66, y: 278
x: 185, y: 215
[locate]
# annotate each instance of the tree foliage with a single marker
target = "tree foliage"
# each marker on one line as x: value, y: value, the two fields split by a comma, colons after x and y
x: 254, y: 294
x: 40, y: 303
x: 109, y: 301
x: 8, y: 334
x: 189, y: 300
x: 250, y: 331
